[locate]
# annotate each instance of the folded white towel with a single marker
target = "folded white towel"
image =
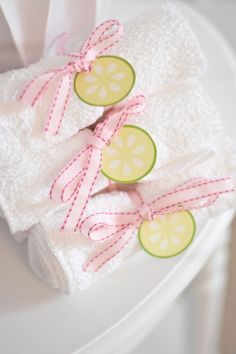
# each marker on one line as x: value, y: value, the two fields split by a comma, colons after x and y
x: 179, y: 120
x: 58, y: 258
x: 162, y: 48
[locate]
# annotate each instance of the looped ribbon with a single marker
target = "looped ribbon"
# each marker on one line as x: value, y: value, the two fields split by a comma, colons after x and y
x: 76, y: 180
x: 117, y: 229
x: 102, y: 38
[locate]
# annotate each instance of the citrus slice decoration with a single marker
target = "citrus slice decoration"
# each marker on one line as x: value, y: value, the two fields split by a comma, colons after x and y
x: 130, y: 156
x: 110, y: 80
x: 167, y: 235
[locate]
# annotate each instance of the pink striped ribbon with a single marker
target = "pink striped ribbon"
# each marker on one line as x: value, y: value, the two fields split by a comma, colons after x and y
x: 117, y: 229
x: 102, y: 38
x: 76, y: 180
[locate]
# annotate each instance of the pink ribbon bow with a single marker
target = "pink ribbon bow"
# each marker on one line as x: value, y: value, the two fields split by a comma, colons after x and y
x: 118, y: 228
x: 102, y: 38
x: 76, y: 180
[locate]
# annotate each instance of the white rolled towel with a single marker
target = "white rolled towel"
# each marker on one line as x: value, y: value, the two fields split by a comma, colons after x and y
x: 20, y: 121
x: 162, y: 48
x: 58, y: 258
x: 180, y: 121
x: 25, y: 184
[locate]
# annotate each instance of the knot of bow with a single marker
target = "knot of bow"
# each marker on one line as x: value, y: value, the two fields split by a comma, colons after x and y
x: 102, y: 38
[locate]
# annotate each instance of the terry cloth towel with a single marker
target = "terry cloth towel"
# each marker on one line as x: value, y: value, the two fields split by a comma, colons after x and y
x: 58, y: 258
x: 25, y: 185
x: 162, y: 48
x: 178, y: 119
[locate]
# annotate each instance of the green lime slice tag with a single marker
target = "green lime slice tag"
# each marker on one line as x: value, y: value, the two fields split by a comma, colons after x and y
x: 110, y: 80
x: 130, y: 156
x: 167, y: 235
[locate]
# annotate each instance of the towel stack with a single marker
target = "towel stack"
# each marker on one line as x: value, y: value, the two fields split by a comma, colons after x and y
x: 179, y: 115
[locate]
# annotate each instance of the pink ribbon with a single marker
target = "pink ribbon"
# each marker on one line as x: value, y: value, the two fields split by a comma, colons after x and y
x: 102, y: 38
x: 76, y: 180
x: 117, y: 229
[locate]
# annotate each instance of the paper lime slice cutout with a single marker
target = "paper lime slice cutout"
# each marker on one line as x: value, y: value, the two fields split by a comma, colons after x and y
x: 110, y: 80
x: 168, y: 235
x: 130, y: 156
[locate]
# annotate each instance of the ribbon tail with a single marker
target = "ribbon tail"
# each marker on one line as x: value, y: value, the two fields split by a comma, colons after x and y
x: 65, y: 184
x: 36, y: 88
x: 110, y: 250
x: 83, y: 191
x: 59, y: 105
x: 199, y: 194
